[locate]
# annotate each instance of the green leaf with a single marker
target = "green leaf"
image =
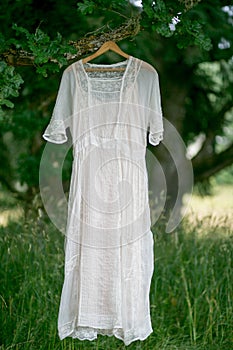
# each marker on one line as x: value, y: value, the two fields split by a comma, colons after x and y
x: 7, y: 103
x: 87, y: 7
x: 10, y: 82
x: 164, y: 29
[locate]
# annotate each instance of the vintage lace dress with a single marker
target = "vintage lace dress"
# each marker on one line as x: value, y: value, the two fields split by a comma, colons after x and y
x: 108, y: 243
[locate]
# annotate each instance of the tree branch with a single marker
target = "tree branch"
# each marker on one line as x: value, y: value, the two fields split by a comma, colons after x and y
x: 211, y: 165
x: 190, y: 3
x: 206, y: 163
x: 88, y: 44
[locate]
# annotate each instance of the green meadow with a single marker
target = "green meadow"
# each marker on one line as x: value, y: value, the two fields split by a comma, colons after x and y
x: 191, y: 294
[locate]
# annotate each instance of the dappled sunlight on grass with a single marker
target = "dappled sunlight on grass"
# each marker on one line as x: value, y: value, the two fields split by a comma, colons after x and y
x: 10, y: 208
x: 215, y: 210
x: 10, y: 215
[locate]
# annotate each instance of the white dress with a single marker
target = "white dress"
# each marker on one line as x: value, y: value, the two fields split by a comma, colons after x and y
x: 109, y: 245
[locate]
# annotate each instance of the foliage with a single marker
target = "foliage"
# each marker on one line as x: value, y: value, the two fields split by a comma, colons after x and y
x: 211, y: 92
x: 49, y: 54
x: 87, y: 7
x: 169, y: 18
x: 185, y: 45
x: 190, y: 295
x: 225, y: 176
x: 10, y: 82
x: 43, y: 49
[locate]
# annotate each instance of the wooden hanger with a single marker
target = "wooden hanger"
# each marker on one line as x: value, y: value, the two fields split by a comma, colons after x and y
x: 108, y: 45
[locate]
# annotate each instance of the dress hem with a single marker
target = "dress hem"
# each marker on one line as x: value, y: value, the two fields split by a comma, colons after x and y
x: 76, y: 333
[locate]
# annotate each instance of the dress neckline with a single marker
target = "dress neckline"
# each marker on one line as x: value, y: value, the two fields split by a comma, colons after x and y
x: 112, y: 65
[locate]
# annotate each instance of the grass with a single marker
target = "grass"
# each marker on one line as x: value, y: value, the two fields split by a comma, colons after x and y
x: 10, y: 209
x: 191, y: 294
x: 218, y: 206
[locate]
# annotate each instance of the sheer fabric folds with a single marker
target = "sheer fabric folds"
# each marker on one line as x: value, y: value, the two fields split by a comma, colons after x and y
x: 108, y: 245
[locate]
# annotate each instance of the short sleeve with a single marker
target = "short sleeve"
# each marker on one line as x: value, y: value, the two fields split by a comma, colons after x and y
x: 63, y: 110
x: 156, y: 116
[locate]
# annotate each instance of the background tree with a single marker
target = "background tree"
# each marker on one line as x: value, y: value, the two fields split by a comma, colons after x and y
x: 189, y: 43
